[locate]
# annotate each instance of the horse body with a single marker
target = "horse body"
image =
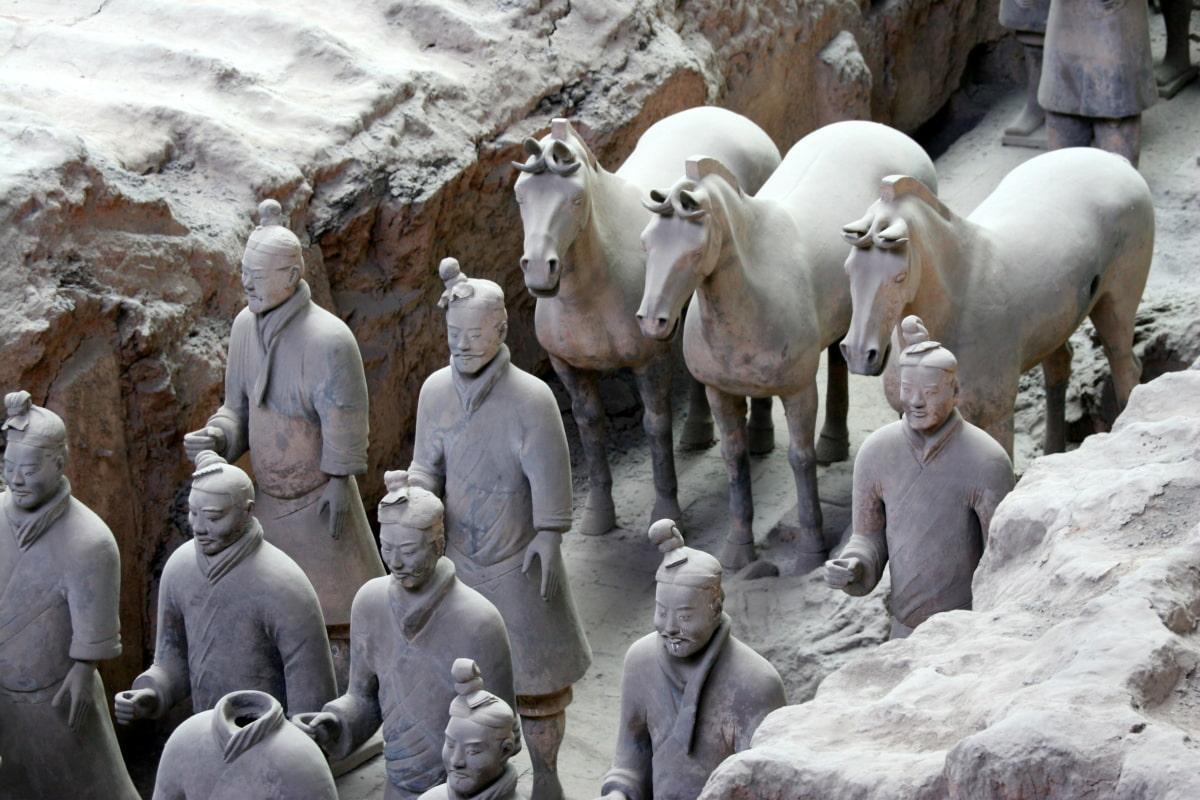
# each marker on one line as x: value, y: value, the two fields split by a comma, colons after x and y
x: 584, y: 263
x: 770, y: 295
x: 1066, y: 235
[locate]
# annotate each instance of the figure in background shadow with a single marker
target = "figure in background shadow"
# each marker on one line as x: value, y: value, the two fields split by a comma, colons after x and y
x: 1176, y: 70
x: 234, y: 612
x: 296, y: 398
x: 691, y: 693
x: 1097, y: 75
x: 406, y: 630
x: 60, y: 579
x: 490, y: 440
x: 925, y: 489
x: 482, y: 735
x: 1027, y: 18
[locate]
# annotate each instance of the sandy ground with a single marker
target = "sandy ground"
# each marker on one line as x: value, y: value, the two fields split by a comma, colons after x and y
x: 805, y: 629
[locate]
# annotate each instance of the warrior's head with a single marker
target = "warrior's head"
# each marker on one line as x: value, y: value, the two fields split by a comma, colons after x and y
x: 273, y: 263
x: 689, y: 599
x: 928, y: 378
x: 35, y: 452
x: 220, y: 503
x: 476, y: 320
x: 482, y: 735
x: 412, y: 533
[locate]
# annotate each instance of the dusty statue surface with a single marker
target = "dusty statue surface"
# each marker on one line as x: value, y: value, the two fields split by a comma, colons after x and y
x: 1176, y: 69
x: 978, y: 283
x: 585, y: 264
x: 1097, y: 75
x: 691, y: 693
x: 234, y: 612
x: 925, y: 490
x: 490, y: 441
x: 60, y: 578
x: 296, y: 399
x: 406, y: 631
x: 770, y: 296
x: 243, y: 747
x: 482, y: 735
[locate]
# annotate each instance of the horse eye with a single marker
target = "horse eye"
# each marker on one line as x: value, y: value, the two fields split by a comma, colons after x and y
x: 901, y: 277
x: 578, y: 201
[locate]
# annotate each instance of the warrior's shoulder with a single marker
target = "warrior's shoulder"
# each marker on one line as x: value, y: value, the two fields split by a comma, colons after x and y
x: 751, y: 670
x: 324, y: 330
x: 439, y: 382
x: 471, y: 607
x: 88, y: 532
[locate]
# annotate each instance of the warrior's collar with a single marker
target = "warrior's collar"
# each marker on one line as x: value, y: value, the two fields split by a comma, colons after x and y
x: 692, y: 683
x: 242, y: 720
x: 927, y: 445
x: 502, y: 788
x: 474, y: 389
x: 413, y: 609
x: 28, y: 526
x: 218, y: 566
x: 269, y: 325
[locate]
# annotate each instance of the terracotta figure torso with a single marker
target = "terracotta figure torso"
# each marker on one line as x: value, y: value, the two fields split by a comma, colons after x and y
x: 1024, y: 15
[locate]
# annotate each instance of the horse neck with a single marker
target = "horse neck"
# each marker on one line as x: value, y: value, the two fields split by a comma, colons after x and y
x: 739, y: 287
x: 608, y: 245
x: 943, y: 257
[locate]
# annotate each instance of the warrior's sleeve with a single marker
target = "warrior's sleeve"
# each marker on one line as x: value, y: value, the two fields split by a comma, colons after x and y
x: 303, y: 646
x: 868, y: 540
x: 428, y: 468
x: 233, y: 417
x: 340, y: 398
x: 93, y: 597
x: 995, y: 482
x: 631, y: 767
x: 168, y: 676
x: 764, y: 696
x: 357, y: 710
x: 546, y: 461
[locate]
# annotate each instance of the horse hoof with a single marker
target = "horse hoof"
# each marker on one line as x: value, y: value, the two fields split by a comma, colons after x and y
x: 805, y: 539
x: 697, y: 435
x: 761, y: 441
x: 598, y: 519
x: 666, y: 508
x: 735, y: 556
x: 831, y: 450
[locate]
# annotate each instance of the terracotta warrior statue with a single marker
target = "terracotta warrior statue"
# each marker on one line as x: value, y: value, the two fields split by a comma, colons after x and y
x: 243, y: 747
x: 1097, y: 75
x: 296, y: 398
x: 925, y: 489
x: 234, y: 612
x: 482, y: 735
x: 406, y: 631
x: 60, y: 575
x: 490, y: 440
x: 1176, y: 69
x: 691, y: 693
x: 1027, y: 18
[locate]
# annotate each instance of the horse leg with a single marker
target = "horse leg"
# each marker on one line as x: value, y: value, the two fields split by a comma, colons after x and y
x: 599, y: 515
x: 762, y: 427
x: 697, y: 431
x: 730, y: 413
x: 654, y: 385
x: 834, y: 442
x: 1114, y: 319
x: 801, y: 411
x: 1056, y: 370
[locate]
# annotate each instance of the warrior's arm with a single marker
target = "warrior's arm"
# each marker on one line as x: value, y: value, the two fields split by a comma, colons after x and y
x: 303, y: 647
x: 546, y: 462
x: 233, y: 417
x: 428, y: 467
x: 168, y: 676
x: 868, y: 540
x: 340, y: 399
x: 93, y: 597
x: 631, y: 767
x: 995, y: 482
x: 761, y: 700
x: 357, y: 711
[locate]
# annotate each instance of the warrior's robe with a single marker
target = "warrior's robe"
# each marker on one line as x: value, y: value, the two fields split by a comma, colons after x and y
x: 402, y: 645
x: 924, y: 504
x: 296, y: 397
x: 1027, y: 16
x: 493, y: 446
x: 217, y: 755
x: 677, y: 726
x: 503, y: 788
x: 246, y: 618
x: 60, y: 578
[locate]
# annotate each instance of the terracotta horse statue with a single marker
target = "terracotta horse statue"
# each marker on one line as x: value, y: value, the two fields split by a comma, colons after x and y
x: 770, y: 296
x: 584, y: 264
x: 1066, y: 235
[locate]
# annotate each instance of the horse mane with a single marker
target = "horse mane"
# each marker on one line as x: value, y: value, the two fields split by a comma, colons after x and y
x: 562, y: 130
x: 698, y: 167
x: 897, y: 186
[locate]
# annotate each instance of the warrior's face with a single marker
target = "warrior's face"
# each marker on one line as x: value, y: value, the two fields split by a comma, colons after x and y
x: 33, y: 474
x: 474, y: 331
x: 927, y: 395
x: 474, y: 755
x: 686, y: 617
x: 411, y: 554
x: 217, y: 519
x: 268, y: 280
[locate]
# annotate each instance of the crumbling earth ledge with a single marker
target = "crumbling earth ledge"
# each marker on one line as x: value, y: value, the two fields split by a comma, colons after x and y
x: 1075, y: 677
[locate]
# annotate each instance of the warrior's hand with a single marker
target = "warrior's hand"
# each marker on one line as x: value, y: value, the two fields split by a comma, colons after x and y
x: 335, y: 502
x: 74, y: 692
x: 209, y: 437
x: 320, y: 726
x: 545, y: 547
x: 615, y: 794
x: 135, y: 704
x: 841, y: 572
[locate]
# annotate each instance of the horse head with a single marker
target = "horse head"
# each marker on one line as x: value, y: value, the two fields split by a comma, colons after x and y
x: 884, y: 275
x: 682, y: 242
x: 552, y: 191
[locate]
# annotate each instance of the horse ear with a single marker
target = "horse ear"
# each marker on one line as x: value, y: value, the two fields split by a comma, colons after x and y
x: 856, y: 232
x: 659, y: 203
x: 562, y: 130
x: 893, y: 235
x: 532, y: 147
x: 689, y: 206
x: 699, y: 167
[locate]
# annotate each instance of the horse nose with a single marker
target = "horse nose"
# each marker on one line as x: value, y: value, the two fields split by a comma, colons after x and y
x: 552, y: 265
x: 654, y: 327
x: 845, y: 351
x: 872, y: 358
x: 524, y: 263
